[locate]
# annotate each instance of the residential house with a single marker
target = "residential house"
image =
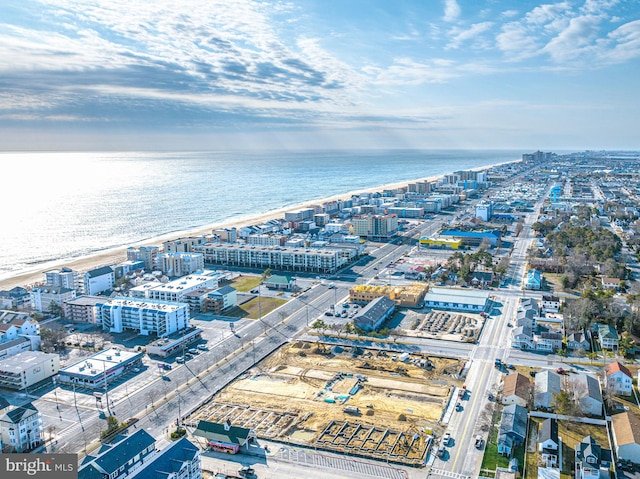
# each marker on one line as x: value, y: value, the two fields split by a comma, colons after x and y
x: 587, y: 393
x: 17, y: 297
x: 548, y: 443
x: 550, y: 304
x: 626, y: 436
x: 120, y: 458
x: 592, y: 461
x: 578, y: 340
x: 548, y: 340
x: 607, y: 336
x: 610, y: 283
x: 522, y: 338
x: 21, y: 428
x: 179, y: 460
x: 547, y: 385
x: 618, y: 379
x: 516, y: 389
x: 534, y: 280
x: 480, y: 279
x: 513, y: 428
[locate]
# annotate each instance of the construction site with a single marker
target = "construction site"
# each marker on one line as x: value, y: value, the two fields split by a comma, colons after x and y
x: 364, y: 402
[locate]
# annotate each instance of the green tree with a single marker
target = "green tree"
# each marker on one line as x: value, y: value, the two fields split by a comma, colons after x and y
x: 562, y: 403
x: 626, y: 345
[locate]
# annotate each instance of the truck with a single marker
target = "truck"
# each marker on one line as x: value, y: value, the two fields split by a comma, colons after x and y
x: 462, y: 391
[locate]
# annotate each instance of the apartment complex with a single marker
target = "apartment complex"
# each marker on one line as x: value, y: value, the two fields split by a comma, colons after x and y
x: 146, y: 254
x: 146, y: 316
x: 43, y: 296
x: 65, y: 278
x: 288, y: 259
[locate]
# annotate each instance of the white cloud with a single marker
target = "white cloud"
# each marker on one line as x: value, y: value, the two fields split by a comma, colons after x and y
x: 626, y: 39
x: 574, y: 40
x: 451, y: 10
x: 460, y: 36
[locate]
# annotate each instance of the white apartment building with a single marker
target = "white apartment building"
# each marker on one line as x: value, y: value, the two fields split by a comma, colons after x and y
x: 27, y: 368
x: 183, y: 245
x: 21, y: 428
x: 43, y: 296
x: 174, y: 291
x: 146, y: 316
x: 65, y: 278
x: 98, y: 280
x: 179, y: 264
x: 288, y: 259
x: 266, y: 240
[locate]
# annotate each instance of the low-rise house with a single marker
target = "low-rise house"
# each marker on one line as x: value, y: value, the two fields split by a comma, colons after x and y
x: 513, y: 428
x: 592, y: 461
x: 550, y: 304
x: 578, y: 340
x: 608, y: 337
x: 618, y: 379
x: 547, y: 386
x: 626, y: 436
x: 549, y: 443
x: 610, y: 283
x: 516, y: 389
x: 179, y: 460
x: 587, y: 393
x: 522, y: 338
x: 534, y: 280
x: 120, y: 458
x: 481, y: 279
x: 548, y: 341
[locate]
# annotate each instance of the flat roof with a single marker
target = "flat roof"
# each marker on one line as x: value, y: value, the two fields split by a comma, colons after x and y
x: 452, y: 295
x: 100, y: 362
x: 143, y: 303
x: 86, y: 300
x: 24, y: 360
x: 188, y: 282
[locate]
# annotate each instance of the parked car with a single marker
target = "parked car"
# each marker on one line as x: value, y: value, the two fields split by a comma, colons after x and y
x: 446, y: 439
x: 180, y: 359
x: 201, y: 347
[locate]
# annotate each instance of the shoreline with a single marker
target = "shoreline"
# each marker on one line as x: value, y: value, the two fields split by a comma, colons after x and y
x: 118, y: 254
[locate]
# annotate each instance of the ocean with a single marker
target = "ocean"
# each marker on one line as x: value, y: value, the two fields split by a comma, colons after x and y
x: 59, y: 206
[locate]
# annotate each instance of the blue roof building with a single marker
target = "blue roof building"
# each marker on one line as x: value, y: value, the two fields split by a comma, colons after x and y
x: 473, y: 237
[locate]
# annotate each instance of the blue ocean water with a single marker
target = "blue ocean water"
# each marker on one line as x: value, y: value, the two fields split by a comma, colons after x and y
x: 63, y: 205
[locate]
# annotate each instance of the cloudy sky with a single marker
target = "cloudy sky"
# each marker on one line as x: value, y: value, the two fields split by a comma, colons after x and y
x: 145, y: 74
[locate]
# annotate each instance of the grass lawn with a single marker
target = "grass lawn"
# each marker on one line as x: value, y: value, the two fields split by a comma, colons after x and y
x: 491, y: 458
x: 250, y: 308
x: 573, y: 433
x: 246, y: 283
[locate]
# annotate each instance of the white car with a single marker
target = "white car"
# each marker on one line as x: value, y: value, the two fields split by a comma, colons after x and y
x: 446, y: 438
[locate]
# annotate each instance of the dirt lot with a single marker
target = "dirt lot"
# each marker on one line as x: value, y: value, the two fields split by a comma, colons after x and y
x: 301, y: 391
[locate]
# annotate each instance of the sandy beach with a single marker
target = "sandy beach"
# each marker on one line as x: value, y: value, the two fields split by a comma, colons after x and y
x: 117, y: 255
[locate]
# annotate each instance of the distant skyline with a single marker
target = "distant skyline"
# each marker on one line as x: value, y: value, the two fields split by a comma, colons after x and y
x: 241, y: 74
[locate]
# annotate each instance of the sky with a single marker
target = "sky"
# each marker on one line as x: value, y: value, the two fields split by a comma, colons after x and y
x: 244, y: 74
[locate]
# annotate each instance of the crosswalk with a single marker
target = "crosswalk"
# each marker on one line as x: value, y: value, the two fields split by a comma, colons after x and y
x: 436, y: 473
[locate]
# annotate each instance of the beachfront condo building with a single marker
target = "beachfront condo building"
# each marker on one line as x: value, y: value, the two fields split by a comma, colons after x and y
x: 146, y: 316
x: 275, y: 257
x: 183, y: 245
x: 146, y: 254
x: 98, y: 280
x: 376, y: 227
x: 179, y: 264
x: 299, y: 215
x: 65, y: 278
